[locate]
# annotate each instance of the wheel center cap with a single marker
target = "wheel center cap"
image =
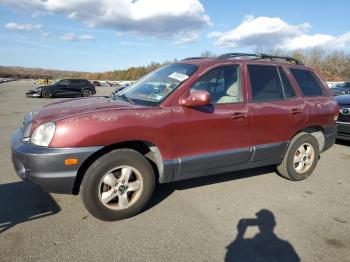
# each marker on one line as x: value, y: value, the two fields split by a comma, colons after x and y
x: 122, y: 188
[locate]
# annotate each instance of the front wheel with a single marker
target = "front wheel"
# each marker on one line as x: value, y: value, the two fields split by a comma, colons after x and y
x: 118, y: 185
x: 300, y: 158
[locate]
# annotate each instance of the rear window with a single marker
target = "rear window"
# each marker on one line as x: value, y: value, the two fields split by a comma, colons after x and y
x: 307, y: 82
x: 265, y: 83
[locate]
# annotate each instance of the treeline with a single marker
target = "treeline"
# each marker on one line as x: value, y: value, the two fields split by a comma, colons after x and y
x: 332, y: 65
x: 36, y: 73
x: 131, y: 73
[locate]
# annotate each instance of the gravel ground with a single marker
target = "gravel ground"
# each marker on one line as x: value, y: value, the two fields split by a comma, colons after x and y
x: 194, y: 220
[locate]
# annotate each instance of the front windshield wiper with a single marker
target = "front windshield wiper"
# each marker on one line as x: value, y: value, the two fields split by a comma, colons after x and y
x: 125, y: 98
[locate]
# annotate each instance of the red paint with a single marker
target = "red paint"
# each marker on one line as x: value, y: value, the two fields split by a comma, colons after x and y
x: 178, y: 129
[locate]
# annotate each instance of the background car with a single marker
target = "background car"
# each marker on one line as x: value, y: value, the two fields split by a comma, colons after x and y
x: 343, y: 122
x: 64, y: 88
x: 341, y: 89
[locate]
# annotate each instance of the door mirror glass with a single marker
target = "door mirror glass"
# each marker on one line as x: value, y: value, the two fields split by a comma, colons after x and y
x: 196, y: 98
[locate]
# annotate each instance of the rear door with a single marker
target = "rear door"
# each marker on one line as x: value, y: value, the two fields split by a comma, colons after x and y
x: 76, y: 86
x: 277, y: 113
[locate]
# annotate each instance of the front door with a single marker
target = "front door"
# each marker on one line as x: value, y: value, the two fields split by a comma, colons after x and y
x: 214, y: 136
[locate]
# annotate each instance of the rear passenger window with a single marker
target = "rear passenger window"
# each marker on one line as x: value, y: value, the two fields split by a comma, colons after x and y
x: 307, y: 82
x: 287, y: 87
x: 75, y: 82
x: 265, y: 83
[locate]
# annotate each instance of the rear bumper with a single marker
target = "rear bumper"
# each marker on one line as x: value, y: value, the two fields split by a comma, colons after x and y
x: 44, y: 166
x: 330, y: 134
x: 343, y: 130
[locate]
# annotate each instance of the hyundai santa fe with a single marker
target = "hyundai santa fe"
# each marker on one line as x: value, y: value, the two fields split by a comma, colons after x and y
x: 196, y: 117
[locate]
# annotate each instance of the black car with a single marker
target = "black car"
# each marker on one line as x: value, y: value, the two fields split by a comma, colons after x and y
x: 343, y: 122
x: 64, y: 88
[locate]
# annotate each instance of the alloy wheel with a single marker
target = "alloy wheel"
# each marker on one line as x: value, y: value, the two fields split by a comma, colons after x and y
x: 120, y: 188
x: 303, y: 158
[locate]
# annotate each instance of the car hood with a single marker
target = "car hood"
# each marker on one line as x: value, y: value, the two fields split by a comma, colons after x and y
x: 343, y: 99
x: 76, y: 106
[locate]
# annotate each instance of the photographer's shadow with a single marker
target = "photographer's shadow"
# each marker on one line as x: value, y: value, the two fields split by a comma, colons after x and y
x: 264, y: 246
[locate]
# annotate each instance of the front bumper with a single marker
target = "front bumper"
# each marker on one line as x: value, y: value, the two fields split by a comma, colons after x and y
x: 32, y: 93
x: 343, y: 130
x: 45, y: 166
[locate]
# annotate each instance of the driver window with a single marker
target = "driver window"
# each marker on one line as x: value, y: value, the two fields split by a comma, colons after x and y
x: 223, y: 85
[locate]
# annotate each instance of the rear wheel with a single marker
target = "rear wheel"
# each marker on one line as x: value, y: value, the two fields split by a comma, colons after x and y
x: 301, y: 157
x: 118, y: 185
x: 86, y: 92
x: 46, y: 93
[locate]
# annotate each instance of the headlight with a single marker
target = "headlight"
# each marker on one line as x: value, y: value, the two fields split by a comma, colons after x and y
x: 43, y: 134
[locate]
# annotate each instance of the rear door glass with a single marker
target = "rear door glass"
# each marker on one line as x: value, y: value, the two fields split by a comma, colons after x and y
x: 265, y: 83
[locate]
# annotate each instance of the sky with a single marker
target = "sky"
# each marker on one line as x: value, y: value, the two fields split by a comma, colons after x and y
x: 102, y: 35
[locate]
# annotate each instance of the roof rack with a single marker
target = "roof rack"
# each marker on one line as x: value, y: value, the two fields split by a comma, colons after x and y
x: 260, y: 56
x: 198, y: 57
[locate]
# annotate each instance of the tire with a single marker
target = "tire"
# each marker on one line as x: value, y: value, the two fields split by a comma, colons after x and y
x: 86, y: 92
x: 46, y: 93
x: 290, y: 168
x: 96, y: 190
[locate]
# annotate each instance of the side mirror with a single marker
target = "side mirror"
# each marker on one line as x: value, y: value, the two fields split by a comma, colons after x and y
x: 196, y: 98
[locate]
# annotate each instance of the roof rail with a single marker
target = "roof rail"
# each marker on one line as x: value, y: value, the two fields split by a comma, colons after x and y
x: 261, y: 56
x: 198, y: 57
x: 233, y: 55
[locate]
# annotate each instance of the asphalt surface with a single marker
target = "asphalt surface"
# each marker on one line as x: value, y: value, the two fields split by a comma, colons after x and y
x: 194, y: 220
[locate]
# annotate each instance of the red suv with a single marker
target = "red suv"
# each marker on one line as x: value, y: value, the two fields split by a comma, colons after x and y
x: 192, y: 118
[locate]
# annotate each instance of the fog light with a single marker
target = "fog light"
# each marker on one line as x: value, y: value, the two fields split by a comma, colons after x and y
x: 71, y: 161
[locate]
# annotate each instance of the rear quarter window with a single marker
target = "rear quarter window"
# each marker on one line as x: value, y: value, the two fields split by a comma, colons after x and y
x: 307, y: 81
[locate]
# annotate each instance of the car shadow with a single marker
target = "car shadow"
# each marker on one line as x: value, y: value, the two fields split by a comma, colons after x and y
x: 21, y: 202
x: 342, y: 142
x: 264, y: 246
x: 165, y: 190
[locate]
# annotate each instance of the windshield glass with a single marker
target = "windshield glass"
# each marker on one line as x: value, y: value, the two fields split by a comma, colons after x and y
x: 153, y: 88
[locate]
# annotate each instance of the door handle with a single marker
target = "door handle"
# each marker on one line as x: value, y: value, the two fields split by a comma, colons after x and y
x: 296, y: 111
x: 239, y: 115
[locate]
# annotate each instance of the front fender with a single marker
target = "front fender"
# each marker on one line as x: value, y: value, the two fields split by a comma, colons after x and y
x: 116, y: 126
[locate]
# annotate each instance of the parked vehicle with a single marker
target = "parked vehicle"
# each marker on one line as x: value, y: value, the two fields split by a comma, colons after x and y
x: 341, y: 89
x: 343, y: 122
x: 192, y: 118
x: 337, y: 91
x: 96, y: 83
x: 64, y: 88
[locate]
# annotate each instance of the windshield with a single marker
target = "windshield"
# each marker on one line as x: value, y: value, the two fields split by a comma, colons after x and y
x: 153, y: 88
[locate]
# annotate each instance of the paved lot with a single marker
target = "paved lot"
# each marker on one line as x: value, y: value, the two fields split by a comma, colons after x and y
x: 193, y: 220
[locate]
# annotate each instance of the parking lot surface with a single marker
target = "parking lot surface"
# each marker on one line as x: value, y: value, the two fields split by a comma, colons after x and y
x: 193, y: 220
